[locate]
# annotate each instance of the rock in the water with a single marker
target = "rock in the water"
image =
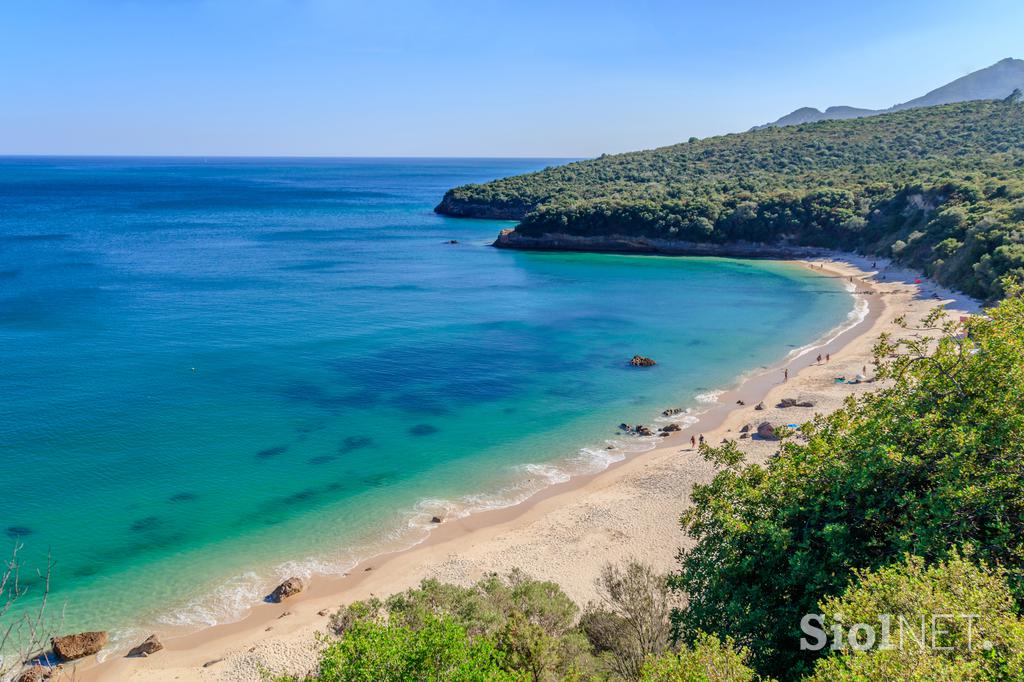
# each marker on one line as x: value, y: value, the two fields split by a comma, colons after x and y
x: 672, y: 411
x: 70, y: 647
x: 670, y: 428
x: 625, y: 427
x: 642, y: 430
x: 641, y: 361
x: 435, y: 519
x: 150, y: 646
x: 759, y: 406
x: 766, y: 431
x: 286, y: 589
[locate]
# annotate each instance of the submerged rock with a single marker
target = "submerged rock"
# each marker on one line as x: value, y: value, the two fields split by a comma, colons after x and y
x: 70, y: 647
x: 150, y: 646
x: 641, y: 361
x: 289, y: 587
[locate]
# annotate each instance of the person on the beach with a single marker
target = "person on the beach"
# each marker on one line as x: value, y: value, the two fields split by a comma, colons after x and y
x: 785, y: 375
x: 693, y: 441
x: 819, y: 358
x: 828, y: 357
x: 702, y: 439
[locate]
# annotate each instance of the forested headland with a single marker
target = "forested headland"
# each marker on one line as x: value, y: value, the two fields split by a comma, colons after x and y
x: 940, y: 189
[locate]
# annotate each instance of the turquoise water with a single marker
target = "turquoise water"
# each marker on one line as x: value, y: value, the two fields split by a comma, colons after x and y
x: 216, y: 373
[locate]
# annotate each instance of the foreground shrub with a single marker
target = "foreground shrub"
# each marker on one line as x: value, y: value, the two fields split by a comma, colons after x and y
x: 954, y: 620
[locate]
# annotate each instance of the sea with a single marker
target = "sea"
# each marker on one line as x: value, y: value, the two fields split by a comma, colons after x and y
x: 216, y: 373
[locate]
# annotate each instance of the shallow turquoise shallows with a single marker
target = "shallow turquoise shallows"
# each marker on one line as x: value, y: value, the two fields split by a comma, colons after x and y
x: 214, y: 373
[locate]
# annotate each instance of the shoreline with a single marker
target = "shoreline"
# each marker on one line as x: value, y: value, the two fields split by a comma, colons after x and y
x: 280, y: 637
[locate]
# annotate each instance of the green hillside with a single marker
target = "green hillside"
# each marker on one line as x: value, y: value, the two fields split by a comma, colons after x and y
x: 939, y: 188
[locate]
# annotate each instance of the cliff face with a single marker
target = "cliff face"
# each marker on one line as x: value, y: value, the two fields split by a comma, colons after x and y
x: 459, y: 207
x: 510, y: 239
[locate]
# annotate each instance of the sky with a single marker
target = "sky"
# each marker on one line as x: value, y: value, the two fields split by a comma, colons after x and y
x: 479, y: 78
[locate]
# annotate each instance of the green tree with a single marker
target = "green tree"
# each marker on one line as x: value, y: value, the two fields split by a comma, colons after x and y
x: 438, y: 651
x: 708, y: 660
x: 976, y: 633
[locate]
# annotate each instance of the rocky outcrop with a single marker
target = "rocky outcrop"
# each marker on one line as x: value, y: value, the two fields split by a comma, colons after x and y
x: 670, y: 428
x: 455, y: 205
x: 288, y: 588
x: 793, y: 402
x: 511, y: 239
x: 36, y: 673
x: 672, y: 411
x: 71, y: 647
x: 147, y: 648
x: 641, y: 361
x: 766, y: 431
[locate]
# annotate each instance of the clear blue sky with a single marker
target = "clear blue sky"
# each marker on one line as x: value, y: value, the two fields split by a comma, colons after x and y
x: 478, y: 78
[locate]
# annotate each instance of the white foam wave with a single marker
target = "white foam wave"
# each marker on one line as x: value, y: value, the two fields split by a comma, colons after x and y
x: 229, y: 602
x: 858, y: 314
x: 709, y: 397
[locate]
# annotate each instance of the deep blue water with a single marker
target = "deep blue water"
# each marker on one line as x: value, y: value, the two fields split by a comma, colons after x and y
x: 214, y: 373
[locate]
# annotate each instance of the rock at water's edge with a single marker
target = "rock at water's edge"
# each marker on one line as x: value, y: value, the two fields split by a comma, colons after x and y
x: 70, y: 647
x: 289, y: 587
x: 150, y: 646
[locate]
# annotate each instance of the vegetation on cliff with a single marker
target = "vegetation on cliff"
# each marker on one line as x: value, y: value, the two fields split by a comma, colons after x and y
x: 939, y: 188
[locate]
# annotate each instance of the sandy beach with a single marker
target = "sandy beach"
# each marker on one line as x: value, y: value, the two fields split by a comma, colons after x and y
x: 568, y: 531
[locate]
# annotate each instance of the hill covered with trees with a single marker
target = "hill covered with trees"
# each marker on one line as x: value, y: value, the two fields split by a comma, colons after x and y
x: 937, y: 188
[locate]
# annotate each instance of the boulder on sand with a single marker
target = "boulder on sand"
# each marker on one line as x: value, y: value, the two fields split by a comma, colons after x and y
x: 70, y: 647
x: 36, y: 673
x: 745, y: 429
x: 759, y: 406
x: 150, y: 646
x: 286, y: 589
x: 793, y: 402
x: 766, y: 431
x: 641, y: 361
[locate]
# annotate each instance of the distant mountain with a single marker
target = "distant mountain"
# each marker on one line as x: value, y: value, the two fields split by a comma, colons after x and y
x: 994, y: 82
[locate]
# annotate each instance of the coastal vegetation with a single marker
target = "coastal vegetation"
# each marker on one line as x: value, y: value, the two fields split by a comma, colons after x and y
x: 940, y: 189
x: 904, y: 505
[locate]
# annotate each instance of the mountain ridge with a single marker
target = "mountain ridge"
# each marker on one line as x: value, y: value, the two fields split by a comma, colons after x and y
x: 997, y: 81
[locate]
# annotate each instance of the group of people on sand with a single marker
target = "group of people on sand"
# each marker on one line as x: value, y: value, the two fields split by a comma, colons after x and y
x: 694, y: 440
